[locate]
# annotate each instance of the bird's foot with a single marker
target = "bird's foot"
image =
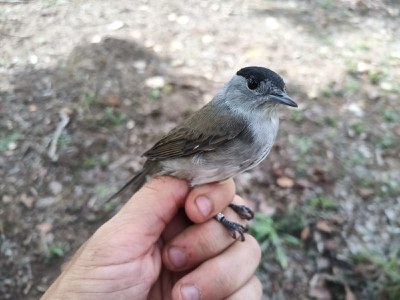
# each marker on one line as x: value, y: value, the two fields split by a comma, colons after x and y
x: 243, y: 211
x: 232, y: 226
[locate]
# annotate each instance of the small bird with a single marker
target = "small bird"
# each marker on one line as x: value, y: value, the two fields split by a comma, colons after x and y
x: 233, y: 133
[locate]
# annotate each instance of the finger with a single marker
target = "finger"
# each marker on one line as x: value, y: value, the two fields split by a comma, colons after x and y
x: 207, y: 200
x: 146, y: 214
x: 252, y: 290
x: 178, y: 224
x: 200, y: 242
x: 220, y: 276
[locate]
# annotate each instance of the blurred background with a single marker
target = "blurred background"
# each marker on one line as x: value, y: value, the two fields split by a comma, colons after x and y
x: 87, y: 86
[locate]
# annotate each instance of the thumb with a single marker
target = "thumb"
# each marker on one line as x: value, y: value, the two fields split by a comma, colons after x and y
x: 146, y: 214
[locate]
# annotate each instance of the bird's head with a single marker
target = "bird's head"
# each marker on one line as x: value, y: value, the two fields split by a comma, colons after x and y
x: 257, y: 87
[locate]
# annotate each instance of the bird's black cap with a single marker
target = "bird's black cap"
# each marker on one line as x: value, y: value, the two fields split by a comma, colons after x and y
x: 259, y: 74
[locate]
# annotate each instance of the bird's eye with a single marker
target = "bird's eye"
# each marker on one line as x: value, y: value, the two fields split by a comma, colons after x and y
x: 252, y: 84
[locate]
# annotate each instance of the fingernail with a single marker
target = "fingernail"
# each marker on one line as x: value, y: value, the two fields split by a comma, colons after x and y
x: 189, y: 292
x: 177, y: 257
x: 204, y: 205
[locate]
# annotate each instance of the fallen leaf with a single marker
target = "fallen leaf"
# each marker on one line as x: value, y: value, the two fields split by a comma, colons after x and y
x: 349, y: 293
x: 320, y: 293
x: 366, y: 192
x: 285, y: 182
x: 324, y: 226
x: 330, y: 245
x: 113, y: 100
x: 305, y: 233
x: 44, y: 227
x: 303, y: 183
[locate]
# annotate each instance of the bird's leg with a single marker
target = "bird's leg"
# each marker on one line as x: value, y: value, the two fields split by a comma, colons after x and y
x: 243, y: 211
x: 232, y: 226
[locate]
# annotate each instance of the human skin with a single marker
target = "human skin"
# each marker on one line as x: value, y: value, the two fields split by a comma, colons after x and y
x: 152, y: 249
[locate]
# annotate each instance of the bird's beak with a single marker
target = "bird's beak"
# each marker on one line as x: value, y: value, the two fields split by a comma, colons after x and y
x: 283, y: 98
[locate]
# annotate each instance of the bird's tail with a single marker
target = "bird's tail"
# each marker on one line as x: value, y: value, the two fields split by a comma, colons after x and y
x: 136, y: 182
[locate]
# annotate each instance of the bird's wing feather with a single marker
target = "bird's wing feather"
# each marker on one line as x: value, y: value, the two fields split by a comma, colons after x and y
x: 197, y: 135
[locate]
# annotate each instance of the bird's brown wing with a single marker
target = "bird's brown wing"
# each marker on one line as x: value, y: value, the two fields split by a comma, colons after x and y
x: 204, y: 131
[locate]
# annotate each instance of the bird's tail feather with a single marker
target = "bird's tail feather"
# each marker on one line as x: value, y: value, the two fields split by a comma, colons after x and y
x: 136, y: 182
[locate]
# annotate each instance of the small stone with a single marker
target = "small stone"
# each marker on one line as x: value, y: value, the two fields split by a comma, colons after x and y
x: 322, y: 263
x: 55, y: 187
x: 182, y: 20
x: 272, y: 23
x: 12, y: 146
x: 6, y: 199
x: 155, y: 82
x: 45, y: 202
x: 207, y: 39
x: 130, y: 124
x: 32, y: 108
x: 33, y: 59
x: 27, y: 201
x: 140, y: 65
x: 115, y: 25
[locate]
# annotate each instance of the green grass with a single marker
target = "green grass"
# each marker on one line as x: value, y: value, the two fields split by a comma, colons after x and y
x: 375, y: 76
x: 65, y: 140
x: 53, y: 252
x: 330, y: 121
x: 327, y: 92
x: 154, y: 94
x: 358, y: 128
x: 321, y: 203
x: 351, y: 85
x: 271, y: 234
x: 297, y: 116
x: 112, y: 117
x: 8, y: 140
x: 89, y: 100
x: 384, y: 143
x: 89, y: 163
x: 387, y: 272
x: 304, y: 144
x: 390, y: 115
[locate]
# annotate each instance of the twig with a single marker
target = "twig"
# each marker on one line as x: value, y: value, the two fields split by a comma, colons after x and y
x: 57, y: 133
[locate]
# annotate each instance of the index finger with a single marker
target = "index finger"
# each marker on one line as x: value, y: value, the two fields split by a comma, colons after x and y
x: 205, y: 201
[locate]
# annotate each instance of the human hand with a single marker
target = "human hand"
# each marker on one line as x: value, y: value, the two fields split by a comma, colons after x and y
x: 151, y: 250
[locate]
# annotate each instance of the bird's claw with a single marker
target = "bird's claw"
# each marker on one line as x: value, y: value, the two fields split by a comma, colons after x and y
x: 243, y: 211
x: 232, y: 226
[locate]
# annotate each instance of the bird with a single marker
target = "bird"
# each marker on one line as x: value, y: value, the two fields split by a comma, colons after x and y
x: 231, y: 134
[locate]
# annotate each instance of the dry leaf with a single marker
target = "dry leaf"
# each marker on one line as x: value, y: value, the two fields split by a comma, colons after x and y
x: 330, y: 245
x: 305, y: 233
x: 349, y: 293
x: 285, y: 182
x: 45, y: 227
x: 320, y: 293
x: 304, y: 183
x: 324, y: 226
x: 113, y: 100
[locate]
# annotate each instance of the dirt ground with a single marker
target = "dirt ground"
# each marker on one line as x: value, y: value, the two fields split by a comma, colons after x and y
x: 87, y: 86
